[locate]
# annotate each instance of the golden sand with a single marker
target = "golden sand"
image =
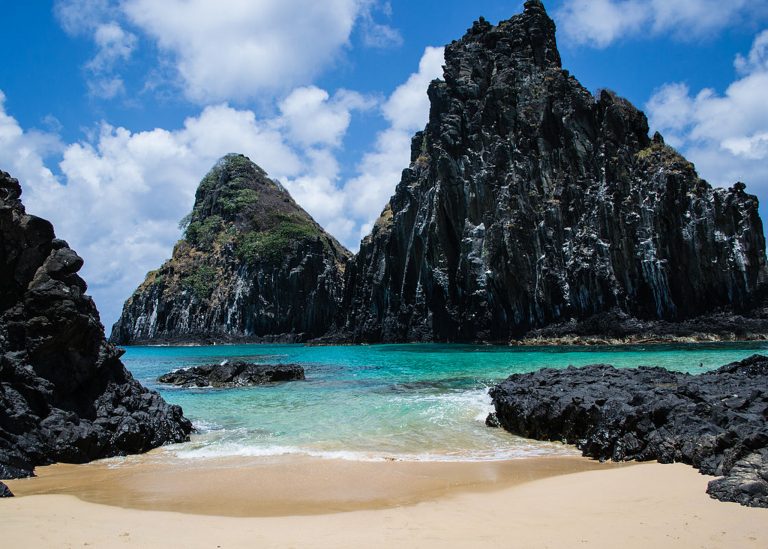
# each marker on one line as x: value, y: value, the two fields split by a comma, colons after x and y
x: 542, y: 502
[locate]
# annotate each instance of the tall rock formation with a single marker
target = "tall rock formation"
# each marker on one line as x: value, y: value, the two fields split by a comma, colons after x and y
x: 253, y: 265
x: 529, y: 201
x: 64, y: 394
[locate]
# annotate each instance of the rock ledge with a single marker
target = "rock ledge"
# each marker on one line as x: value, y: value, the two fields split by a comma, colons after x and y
x: 716, y: 421
x: 233, y: 374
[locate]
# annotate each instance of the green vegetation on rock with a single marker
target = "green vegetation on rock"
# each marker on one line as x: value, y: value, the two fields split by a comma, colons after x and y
x: 201, y: 281
x: 203, y: 233
x: 271, y: 244
x: 236, y: 200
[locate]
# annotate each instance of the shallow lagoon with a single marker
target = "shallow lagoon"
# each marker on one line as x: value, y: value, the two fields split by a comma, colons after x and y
x: 409, y: 402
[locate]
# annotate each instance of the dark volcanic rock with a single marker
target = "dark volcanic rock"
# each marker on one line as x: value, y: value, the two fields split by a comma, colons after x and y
x: 64, y: 394
x: 253, y: 266
x: 233, y: 374
x: 717, y: 421
x: 530, y: 202
x: 5, y: 492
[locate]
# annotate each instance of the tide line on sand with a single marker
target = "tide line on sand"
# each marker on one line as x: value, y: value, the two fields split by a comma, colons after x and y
x: 559, y: 502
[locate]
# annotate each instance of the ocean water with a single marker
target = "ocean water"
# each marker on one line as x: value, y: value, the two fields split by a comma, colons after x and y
x: 406, y: 402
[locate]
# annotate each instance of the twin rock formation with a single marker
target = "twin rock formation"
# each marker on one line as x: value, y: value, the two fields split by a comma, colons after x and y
x: 528, y: 203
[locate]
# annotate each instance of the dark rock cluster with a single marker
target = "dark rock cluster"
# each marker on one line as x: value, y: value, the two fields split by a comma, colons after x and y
x: 233, y: 374
x: 64, y: 394
x: 531, y: 202
x: 253, y: 267
x: 716, y: 421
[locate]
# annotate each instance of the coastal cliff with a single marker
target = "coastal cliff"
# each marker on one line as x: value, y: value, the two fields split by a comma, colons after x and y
x: 252, y: 266
x: 529, y: 202
x: 64, y: 394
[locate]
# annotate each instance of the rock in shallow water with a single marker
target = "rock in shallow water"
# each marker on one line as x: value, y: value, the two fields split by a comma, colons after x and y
x: 716, y: 421
x: 233, y: 374
x: 64, y: 394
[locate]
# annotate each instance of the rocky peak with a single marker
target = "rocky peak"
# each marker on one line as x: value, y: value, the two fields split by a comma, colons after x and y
x: 236, y: 190
x: 530, y: 202
x: 252, y: 265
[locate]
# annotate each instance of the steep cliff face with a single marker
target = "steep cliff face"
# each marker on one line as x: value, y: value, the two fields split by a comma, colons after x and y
x: 529, y: 201
x: 252, y: 265
x: 64, y: 394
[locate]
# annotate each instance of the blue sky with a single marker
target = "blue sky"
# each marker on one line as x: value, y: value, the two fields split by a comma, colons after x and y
x: 112, y: 110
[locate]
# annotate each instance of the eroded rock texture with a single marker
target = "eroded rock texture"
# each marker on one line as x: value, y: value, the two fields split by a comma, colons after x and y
x: 64, y: 394
x: 233, y: 374
x: 716, y: 421
x: 253, y: 266
x: 529, y: 202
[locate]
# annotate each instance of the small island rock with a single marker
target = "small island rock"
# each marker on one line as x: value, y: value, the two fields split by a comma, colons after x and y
x: 233, y: 374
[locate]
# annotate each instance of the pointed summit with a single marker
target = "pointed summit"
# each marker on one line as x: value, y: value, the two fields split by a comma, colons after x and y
x: 252, y: 265
x: 529, y: 202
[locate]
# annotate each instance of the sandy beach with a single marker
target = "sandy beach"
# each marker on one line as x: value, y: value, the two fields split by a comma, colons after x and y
x: 303, y: 502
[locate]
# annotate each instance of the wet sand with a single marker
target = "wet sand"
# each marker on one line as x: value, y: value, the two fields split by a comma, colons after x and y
x: 282, y: 485
x: 298, y: 502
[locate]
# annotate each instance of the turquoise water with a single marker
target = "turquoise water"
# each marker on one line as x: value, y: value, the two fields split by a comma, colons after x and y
x: 411, y: 402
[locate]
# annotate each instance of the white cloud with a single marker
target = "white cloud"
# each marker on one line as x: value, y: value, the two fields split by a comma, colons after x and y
x: 757, y: 59
x: 600, y: 22
x: 726, y: 135
x: 229, y: 50
x: 235, y: 49
x: 106, y: 88
x: 79, y: 17
x: 312, y: 117
x: 114, y: 43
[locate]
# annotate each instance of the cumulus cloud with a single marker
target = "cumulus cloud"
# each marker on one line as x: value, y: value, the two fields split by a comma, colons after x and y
x: 235, y: 49
x: 230, y: 50
x: 600, y: 22
x: 312, y: 117
x: 725, y: 135
x: 114, y: 43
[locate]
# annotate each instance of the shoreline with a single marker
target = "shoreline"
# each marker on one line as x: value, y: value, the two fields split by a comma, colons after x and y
x: 555, y: 341
x: 627, y: 505
x: 287, y: 484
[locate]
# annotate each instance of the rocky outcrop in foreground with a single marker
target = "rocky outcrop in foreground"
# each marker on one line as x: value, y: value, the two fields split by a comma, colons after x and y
x: 717, y: 421
x: 233, y: 374
x: 253, y: 266
x: 64, y: 394
x: 529, y: 202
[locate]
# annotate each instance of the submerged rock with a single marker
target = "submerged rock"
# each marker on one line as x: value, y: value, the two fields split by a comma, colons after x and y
x: 64, y: 394
x: 531, y: 202
x: 253, y: 266
x: 233, y: 374
x: 716, y: 421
